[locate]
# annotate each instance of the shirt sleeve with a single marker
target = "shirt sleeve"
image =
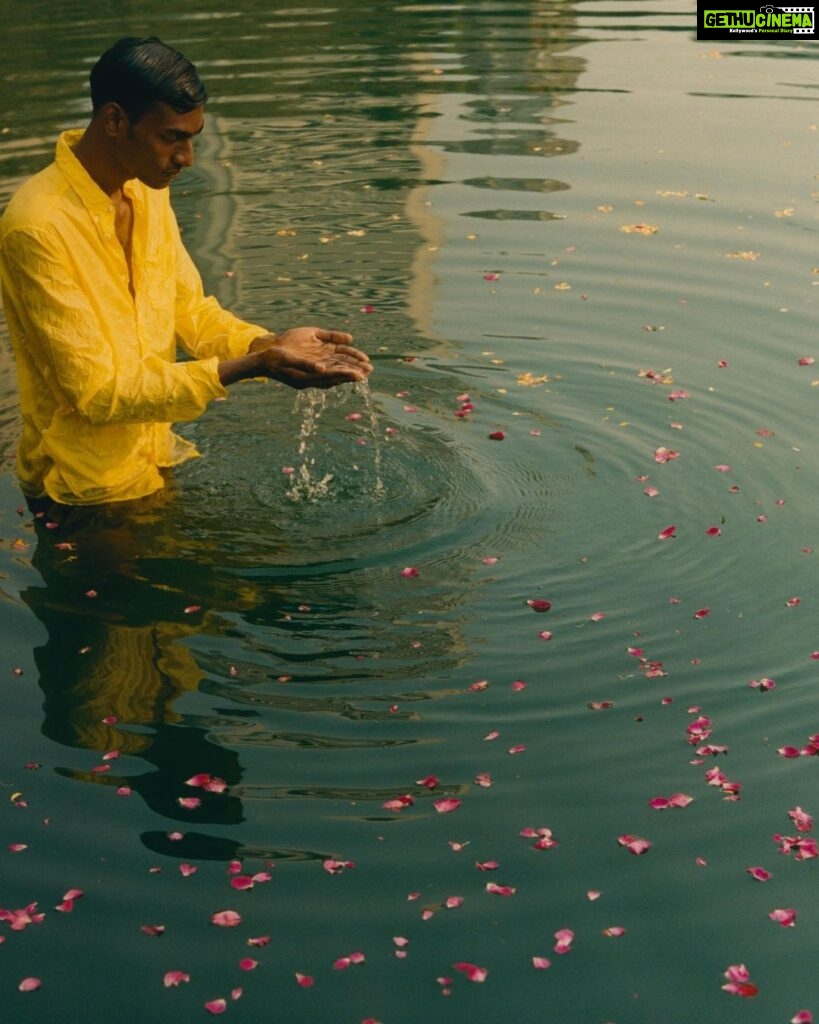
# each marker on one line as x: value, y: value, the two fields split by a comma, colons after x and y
x: 104, y: 377
x: 203, y: 327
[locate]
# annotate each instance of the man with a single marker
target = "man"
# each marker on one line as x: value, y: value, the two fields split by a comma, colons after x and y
x: 99, y: 291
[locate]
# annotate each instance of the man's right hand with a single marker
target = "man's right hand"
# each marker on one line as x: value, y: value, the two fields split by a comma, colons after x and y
x: 302, y: 357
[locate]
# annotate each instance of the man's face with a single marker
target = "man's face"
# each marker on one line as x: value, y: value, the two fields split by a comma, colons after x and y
x: 160, y: 144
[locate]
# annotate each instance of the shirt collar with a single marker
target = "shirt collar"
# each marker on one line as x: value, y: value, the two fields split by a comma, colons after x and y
x: 78, y: 178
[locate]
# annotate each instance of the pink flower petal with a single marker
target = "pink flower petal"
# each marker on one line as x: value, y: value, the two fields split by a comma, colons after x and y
x: 760, y: 874
x: 216, y: 1006
x: 713, y: 531
x: 335, y: 867
x: 737, y: 972
x: 447, y: 805
x: 669, y: 531
x: 539, y: 605
x: 614, y: 932
x: 541, y: 963
x: 304, y: 980
x: 399, y: 803
x: 663, y: 455
x: 564, y: 937
x: 226, y: 919
x: 497, y: 435
x: 500, y: 890
x: 634, y: 844
x: 745, y: 989
x: 803, y: 1017
x: 784, y: 916
x: 545, y: 635
x: 472, y: 971
x: 802, y: 820
x: 409, y: 572
x: 29, y: 985
x: 680, y: 799
x: 702, y: 613
x: 174, y: 978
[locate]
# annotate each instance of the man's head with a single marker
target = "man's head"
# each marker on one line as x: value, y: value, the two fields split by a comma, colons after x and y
x: 137, y: 74
x: 148, y: 107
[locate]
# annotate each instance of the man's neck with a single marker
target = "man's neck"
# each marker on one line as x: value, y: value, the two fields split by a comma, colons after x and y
x: 92, y: 153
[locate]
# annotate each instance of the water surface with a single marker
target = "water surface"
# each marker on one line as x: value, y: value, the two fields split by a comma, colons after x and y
x: 568, y: 225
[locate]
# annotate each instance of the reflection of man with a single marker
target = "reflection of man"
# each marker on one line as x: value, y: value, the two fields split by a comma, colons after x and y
x: 99, y: 291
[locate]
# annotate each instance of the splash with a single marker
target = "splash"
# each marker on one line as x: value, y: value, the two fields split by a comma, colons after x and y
x: 309, y: 482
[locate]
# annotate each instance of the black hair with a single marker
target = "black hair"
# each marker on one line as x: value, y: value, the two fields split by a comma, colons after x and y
x: 137, y: 73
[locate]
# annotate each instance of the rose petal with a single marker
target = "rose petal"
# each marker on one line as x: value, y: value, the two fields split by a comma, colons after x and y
x: 472, y: 971
x: 174, y: 978
x: 226, y: 919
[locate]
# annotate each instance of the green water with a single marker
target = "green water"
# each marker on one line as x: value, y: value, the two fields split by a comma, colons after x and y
x: 450, y: 182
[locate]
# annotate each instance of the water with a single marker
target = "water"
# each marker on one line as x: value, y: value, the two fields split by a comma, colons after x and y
x: 450, y: 182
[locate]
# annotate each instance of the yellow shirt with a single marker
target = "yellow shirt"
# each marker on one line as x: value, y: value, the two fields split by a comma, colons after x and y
x: 98, y: 378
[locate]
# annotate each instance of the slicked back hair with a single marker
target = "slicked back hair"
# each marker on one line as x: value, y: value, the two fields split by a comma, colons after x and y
x: 138, y: 73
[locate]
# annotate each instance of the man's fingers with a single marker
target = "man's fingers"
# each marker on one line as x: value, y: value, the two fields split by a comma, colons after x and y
x: 333, y: 337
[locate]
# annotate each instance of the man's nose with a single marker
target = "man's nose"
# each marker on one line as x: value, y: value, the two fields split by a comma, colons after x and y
x: 183, y: 154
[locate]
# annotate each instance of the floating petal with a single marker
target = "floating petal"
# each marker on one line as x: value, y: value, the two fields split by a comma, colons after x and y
x: 226, y: 918
x: 472, y: 971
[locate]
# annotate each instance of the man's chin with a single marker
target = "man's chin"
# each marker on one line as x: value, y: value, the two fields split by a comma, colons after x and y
x: 160, y: 182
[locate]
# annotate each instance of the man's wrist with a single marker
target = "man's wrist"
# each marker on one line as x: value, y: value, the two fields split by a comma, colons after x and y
x: 263, y: 341
x: 244, y: 367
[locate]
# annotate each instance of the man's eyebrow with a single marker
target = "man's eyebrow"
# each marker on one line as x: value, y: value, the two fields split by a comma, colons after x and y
x: 182, y: 135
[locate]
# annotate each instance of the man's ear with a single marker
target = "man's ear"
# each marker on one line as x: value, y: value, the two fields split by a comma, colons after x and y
x: 114, y: 120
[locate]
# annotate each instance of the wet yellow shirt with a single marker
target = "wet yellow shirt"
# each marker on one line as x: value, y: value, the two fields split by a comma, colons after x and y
x: 96, y: 362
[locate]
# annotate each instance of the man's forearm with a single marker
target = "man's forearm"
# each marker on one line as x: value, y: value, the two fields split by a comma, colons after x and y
x: 241, y: 368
